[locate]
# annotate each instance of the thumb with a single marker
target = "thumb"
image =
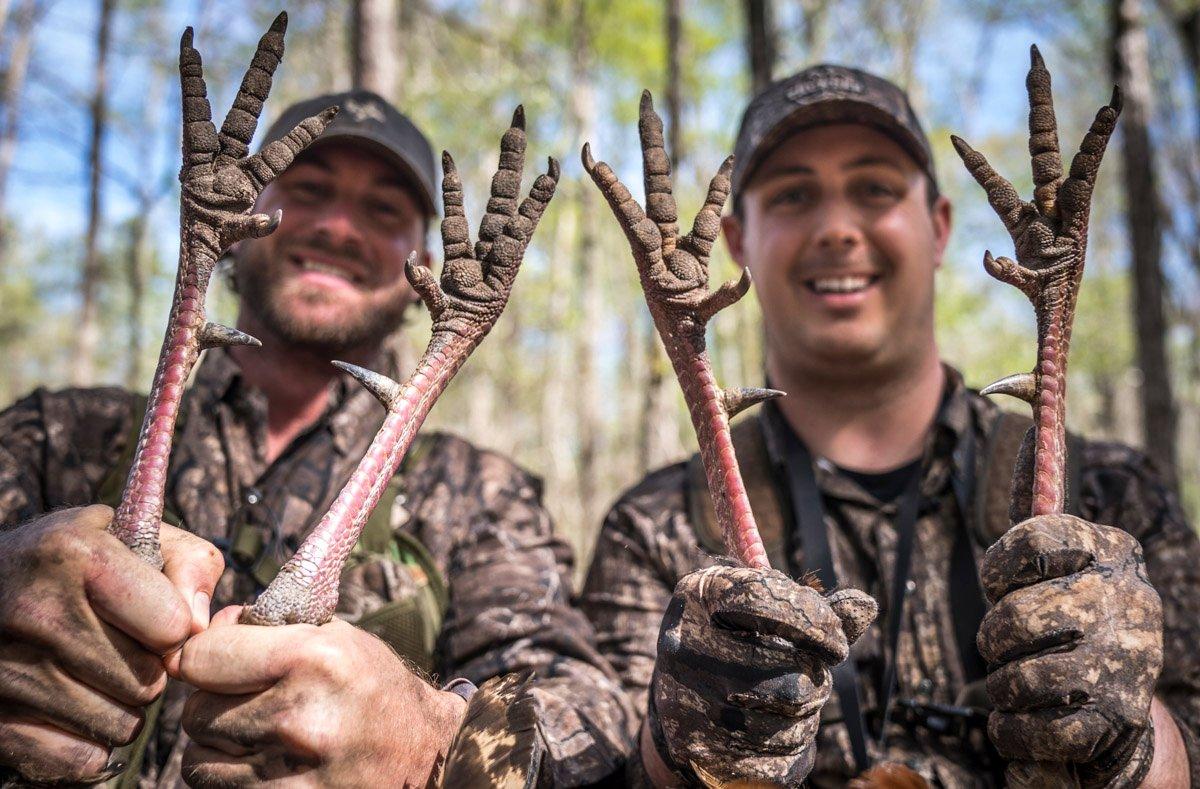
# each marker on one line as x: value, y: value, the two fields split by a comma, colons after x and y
x: 229, y: 615
x: 193, y: 565
x: 856, y: 609
x: 173, y: 661
x: 1020, y: 774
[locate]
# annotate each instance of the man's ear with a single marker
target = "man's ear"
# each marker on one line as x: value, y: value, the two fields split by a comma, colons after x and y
x: 942, y: 215
x: 731, y: 227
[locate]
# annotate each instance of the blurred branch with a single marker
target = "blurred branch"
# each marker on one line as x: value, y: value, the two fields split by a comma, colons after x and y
x: 762, y: 46
x: 88, y: 335
x: 481, y: 37
x: 12, y: 87
x: 374, y: 47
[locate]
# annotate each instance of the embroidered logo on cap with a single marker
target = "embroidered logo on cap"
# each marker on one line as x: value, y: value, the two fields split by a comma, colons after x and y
x: 363, y: 110
x: 820, y: 81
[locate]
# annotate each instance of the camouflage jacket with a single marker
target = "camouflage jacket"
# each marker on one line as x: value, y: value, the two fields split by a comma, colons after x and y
x: 478, y: 515
x: 648, y: 542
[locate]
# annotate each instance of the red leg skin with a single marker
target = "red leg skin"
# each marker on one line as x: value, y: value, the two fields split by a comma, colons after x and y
x: 711, y: 421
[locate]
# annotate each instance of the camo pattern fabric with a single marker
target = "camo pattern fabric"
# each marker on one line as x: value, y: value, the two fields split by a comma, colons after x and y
x: 1072, y: 609
x: 741, y: 643
x: 648, y: 543
x: 479, y: 515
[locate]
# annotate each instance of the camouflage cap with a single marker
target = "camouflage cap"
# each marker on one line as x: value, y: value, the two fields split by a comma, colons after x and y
x: 369, y: 120
x: 822, y: 95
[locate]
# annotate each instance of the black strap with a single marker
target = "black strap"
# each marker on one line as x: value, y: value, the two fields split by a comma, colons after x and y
x: 967, y: 605
x: 906, y: 531
x: 809, y: 513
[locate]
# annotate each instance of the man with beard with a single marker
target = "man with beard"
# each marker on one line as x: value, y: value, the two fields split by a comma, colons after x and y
x: 458, y: 572
x: 880, y: 471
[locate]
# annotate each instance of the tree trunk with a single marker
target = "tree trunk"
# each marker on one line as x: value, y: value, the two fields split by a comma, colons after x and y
x: 912, y: 15
x: 1187, y: 25
x: 1189, y: 28
x: 148, y: 194
x: 674, y: 83
x: 658, y: 438
x: 89, y: 288
x: 814, y: 14
x: 557, y: 423
x: 4, y: 6
x: 760, y: 43
x: 374, y: 46
x: 1131, y: 70
x: 12, y: 85
x: 587, y: 278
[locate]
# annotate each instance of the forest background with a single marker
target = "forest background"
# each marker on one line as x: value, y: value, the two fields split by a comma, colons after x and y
x: 572, y: 381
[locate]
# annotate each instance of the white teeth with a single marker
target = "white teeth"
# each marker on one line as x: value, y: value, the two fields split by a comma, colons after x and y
x: 840, y: 284
x: 314, y: 265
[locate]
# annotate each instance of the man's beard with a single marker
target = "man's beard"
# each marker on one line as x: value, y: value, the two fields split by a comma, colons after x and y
x: 257, y: 285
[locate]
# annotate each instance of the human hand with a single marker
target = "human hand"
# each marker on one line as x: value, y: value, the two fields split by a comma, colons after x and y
x: 744, y: 659
x: 309, y: 706
x: 1074, y: 646
x: 84, y: 628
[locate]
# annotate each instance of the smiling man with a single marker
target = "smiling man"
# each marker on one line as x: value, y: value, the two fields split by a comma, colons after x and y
x: 458, y: 574
x: 880, y: 471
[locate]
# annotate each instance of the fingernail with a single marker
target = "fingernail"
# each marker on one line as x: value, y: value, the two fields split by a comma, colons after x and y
x: 116, y: 765
x: 201, y: 608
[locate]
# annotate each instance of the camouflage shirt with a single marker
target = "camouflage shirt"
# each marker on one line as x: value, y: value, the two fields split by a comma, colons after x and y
x: 478, y: 515
x: 649, y: 541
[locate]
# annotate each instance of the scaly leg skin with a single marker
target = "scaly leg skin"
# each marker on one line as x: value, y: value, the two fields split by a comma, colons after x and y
x: 1050, y: 237
x: 219, y: 186
x: 473, y: 292
x: 674, y: 276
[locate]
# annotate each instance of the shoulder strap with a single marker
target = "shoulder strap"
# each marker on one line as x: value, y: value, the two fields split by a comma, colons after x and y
x: 377, y: 535
x: 755, y: 464
x: 113, y: 485
x: 1074, y: 503
x: 1001, y: 448
x: 110, y: 488
x: 996, y: 473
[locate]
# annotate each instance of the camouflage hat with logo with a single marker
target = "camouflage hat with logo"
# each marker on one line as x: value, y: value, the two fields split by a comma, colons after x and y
x: 367, y: 119
x: 822, y: 95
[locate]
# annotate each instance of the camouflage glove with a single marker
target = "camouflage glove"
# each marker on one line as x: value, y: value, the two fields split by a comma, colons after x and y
x: 1074, y: 648
x: 743, y: 672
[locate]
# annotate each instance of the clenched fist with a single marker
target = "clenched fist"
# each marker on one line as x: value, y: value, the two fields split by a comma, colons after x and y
x: 84, y: 628
x: 744, y: 658
x: 301, y: 705
x: 1074, y: 646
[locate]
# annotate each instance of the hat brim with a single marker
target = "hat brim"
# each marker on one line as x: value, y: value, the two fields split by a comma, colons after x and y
x: 831, y: 112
